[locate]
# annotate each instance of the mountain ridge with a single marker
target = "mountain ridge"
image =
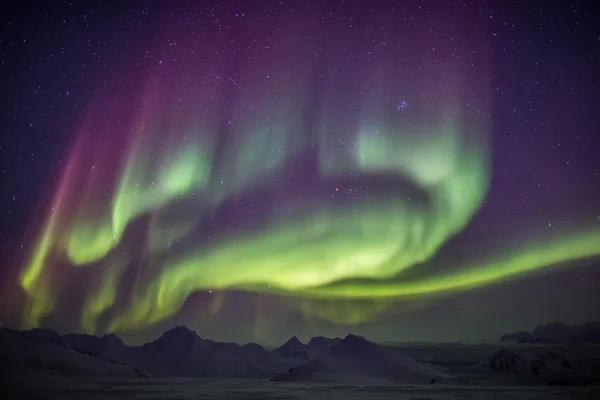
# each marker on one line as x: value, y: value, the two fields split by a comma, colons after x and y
x: 557, y: 332
x: 181, y: 352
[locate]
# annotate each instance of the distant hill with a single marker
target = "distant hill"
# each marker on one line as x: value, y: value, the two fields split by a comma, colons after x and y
x: 520, y: 336
x: 557, y: 332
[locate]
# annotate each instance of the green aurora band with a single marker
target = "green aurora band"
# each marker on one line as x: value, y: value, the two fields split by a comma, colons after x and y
x: 310, y: 255
x: 172, y: 178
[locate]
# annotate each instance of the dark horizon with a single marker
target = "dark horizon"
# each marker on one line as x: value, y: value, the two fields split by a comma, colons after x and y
x: 548, y: 334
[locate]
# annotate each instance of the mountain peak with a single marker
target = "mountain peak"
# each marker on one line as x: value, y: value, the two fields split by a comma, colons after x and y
x: 180, y: 329
x: 176, y: 339
x: 294, y: 341
x: 351, y: 338
x: 181, y: 332
x: 507, y: 361
x: 353, y: 343
x: 293, y: 348
x: 111, y: 339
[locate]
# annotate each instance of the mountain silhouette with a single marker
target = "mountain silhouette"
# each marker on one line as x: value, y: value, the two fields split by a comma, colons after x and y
x: 557, y: 332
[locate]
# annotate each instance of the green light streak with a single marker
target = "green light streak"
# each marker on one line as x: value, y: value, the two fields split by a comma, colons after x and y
x: 143, y: 188
x: 556, y: 251
x: 353, y: 250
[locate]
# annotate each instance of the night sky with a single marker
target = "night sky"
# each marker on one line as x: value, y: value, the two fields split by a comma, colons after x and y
x: 415, y: 170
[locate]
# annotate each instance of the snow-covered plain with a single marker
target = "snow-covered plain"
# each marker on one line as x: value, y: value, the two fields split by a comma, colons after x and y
x: 256, y: 389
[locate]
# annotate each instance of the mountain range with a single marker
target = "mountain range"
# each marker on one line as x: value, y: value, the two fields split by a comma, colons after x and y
x: 180, y: 352
x: 548, y: 367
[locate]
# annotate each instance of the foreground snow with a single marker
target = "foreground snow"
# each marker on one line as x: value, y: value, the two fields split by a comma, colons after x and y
x: 199, y: 389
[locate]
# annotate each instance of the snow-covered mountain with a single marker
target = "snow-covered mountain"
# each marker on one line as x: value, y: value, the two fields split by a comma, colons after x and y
x: 548, y: 367
x: 178, y: 352
x: 356, y: 359
x: 182, y: 352
x: 293, y: 348
x: 44, y: 351
x: 506, y: 361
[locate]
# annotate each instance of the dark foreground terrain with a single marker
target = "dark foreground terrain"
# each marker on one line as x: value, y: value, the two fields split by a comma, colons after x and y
x: 254, y: 389
x: 42, y: 364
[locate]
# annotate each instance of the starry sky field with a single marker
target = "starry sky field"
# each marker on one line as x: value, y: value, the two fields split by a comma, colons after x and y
x: 418, y: 170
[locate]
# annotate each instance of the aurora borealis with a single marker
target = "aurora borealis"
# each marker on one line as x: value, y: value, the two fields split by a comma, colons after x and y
x: 342, y: 161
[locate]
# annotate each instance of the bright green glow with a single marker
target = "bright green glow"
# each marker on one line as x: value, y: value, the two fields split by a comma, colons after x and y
x: 316, y: 249
x: 104, y: 291
x: 41, y: 301
x: 528, y: 259
x: 360, y: 239
x: 143, y: 188
x: 30, y: 275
